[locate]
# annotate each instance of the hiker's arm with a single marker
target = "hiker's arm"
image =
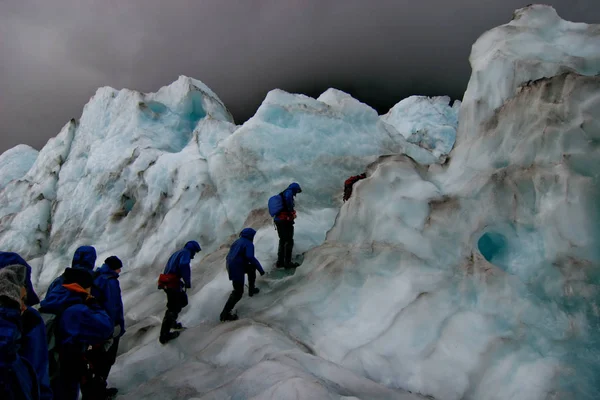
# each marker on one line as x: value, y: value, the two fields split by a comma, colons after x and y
x: 252, y: 260
x: 289, y: 200
x: 116, y: 305
x: 186, y: 275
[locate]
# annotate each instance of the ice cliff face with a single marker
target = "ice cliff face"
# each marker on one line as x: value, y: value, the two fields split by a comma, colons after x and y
x: 475, y: 277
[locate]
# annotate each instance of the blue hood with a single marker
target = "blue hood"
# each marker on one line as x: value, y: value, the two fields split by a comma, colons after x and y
x: 59, y: 299
x: 248, y: 233
x: 295, y: 188
x: 9, y: 258
x: 192, y: 246
x: 84, y: 257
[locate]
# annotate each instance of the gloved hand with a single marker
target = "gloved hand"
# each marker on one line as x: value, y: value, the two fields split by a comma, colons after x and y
x: 261, y: 273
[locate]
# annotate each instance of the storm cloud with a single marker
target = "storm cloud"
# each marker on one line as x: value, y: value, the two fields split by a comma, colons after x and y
x: 55, y: 54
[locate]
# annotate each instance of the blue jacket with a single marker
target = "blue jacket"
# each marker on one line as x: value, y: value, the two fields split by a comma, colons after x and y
x: 80, y: 323
x: 108, y: 292
x: 241, y: 256
x: 288, y: 197
x: 84, y: 257
x: 179, y: 263
x: 34, y: 348
x: 9, y: 258
x: 17, y: 377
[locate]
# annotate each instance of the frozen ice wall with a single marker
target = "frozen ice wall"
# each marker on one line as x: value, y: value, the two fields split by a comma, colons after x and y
x: 429, y: 122
x: 471, y: 277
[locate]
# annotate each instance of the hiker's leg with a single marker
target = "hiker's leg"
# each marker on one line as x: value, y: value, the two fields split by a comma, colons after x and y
x: 289, y: 243
x: 250, y: 270
x: 234, y: 297
x: 281, y: 249
x: 175, y: 301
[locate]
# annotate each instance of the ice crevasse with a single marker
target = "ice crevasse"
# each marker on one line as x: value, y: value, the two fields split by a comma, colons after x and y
x: 466, y: 265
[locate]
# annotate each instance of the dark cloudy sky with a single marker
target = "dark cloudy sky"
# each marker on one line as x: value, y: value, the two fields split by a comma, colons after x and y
x: 55, y: 53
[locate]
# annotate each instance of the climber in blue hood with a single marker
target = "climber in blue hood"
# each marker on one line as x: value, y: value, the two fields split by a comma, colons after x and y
x: 9, y: 258
x: 284, y: 223
x: 175, y: 280
x: 81, y: 323
x: 18, y: 379
x: 241, y: 261
x: 33, y: 344
x: 103, y: 356
x: 83, y: 258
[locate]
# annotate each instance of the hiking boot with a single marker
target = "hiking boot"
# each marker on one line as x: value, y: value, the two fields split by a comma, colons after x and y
x: 178, y: 327
x: 279, y: 265
x: 228, y: 317
x: 292, y: 265
x: 169, y: 337
x: 110, y: 393
x: 253, y: 291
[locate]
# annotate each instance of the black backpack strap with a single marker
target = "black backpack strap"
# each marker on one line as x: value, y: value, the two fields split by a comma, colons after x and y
x: 285, y: 206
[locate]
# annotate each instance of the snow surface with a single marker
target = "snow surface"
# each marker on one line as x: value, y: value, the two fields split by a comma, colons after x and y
x: 472, y: 277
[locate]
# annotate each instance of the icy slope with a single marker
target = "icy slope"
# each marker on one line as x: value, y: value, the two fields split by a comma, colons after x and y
x: 476, y: 279
x: 487, y: 292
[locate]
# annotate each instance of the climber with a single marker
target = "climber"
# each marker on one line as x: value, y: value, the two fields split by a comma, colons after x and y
x: 33, y: 345
x: 79, y: 322
x: 350, y: 182
x: 18, y: 379
x: 281, y: 207
x: 9, y: 258
x: 107, y: 290
x: 241, y: 261
x: 175, y: 280
x: 84, y: 258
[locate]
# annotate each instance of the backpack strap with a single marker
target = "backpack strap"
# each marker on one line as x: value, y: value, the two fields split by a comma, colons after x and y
x: 285, y: 205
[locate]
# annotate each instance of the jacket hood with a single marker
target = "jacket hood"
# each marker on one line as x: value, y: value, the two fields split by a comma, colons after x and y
x: 84, y: 257
x: 106, y: 270
x: 59, y: 299
x: 248, y: 233
x: 192, y: 246
x: 9, y: 258
x: 295, y: 188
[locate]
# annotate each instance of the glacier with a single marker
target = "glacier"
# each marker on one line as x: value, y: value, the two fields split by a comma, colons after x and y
x: 465, y: 266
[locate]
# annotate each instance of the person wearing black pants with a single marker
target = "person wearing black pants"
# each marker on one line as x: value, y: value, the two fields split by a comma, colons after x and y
x: 285, y: 230
x: 241, y: 262
x: 284, y: 222
x: 175, y: 280
x: 176, y: 301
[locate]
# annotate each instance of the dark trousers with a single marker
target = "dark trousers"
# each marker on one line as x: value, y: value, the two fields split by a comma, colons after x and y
x: 176, y: 301
x: 101, y: 361
x: 71, y: 373
x: 238, y: 290
x: 285, y: 230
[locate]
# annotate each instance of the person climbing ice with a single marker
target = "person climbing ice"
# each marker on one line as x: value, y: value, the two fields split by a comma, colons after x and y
x: 175, y: 280
x: 281, y: 207
x: 241, y: 262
